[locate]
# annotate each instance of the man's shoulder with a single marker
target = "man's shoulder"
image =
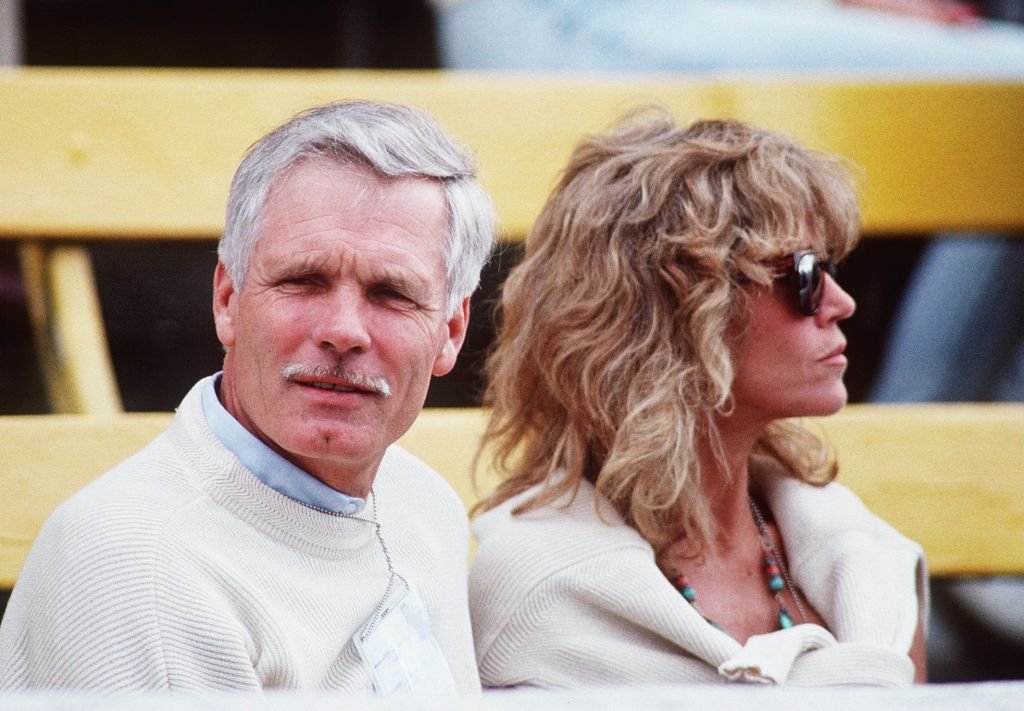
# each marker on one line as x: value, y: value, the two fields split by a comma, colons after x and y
x: 153, y: 481
x: 124, y: 508
x: 422, y: 501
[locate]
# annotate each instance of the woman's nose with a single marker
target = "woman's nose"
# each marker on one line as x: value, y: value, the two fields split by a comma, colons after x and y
x: 836, y: 303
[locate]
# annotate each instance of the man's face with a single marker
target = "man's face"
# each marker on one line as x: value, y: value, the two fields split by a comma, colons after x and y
x: 333, y: 335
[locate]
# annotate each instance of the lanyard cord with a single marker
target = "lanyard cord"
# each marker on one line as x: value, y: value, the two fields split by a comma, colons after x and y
x: 394, y: 576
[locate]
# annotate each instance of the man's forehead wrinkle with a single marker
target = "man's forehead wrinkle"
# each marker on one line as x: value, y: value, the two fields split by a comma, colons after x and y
x: 370, y: 185
x: 423, y: 236
x: 294, y: 249
x: 313, y: 257
x: 311, y: 220
x: 322, y: 172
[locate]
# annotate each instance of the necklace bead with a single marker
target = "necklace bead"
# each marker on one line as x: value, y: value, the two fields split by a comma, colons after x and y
x: 685, y: 590
x: 771, y: 569
x: 776, y: 561
x: 785, y: 621
x: 776, y: 575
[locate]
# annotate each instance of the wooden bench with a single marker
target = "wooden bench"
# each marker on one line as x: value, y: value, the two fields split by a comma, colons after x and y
x: 110, y: 154
x: 949, y: 476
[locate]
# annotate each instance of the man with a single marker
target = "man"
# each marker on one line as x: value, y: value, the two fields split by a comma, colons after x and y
x: 273, y: 537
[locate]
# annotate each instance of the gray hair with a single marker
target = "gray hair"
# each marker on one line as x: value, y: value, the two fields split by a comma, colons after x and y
x: 393, y: 140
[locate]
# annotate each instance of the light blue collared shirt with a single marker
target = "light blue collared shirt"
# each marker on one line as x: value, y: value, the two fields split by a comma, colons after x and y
x: 270, y: 467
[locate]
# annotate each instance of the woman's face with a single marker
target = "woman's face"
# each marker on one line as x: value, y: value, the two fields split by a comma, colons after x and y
x: 789, y: 364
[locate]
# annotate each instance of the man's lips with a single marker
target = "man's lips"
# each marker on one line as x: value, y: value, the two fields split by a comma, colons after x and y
x: 335, y: 387
x: 335, y: 379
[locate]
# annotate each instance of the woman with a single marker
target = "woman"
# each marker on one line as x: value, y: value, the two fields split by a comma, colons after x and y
x: 661, y: 517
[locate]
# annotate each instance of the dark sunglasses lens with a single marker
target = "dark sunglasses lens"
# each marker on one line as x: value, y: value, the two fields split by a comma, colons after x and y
x: 809, y: 283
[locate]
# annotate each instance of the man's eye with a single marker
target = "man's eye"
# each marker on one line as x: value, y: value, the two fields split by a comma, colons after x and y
x: 394, y: 296
x: 300, y: 281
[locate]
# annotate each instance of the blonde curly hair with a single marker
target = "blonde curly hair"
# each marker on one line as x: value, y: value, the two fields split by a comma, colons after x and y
x: 613, y: 356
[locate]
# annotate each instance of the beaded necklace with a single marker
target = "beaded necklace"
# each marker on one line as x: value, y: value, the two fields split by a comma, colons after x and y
x: 774, y: 569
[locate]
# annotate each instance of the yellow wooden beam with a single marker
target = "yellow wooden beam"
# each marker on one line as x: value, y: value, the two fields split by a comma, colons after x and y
x: 81, y: 336
x: 37, y: 297
x: 115, y: 153
x: 950, y: 476
x: 109, y: 153
x: 67, y: 325
x: 44, y: 459
x: 447, y: 439
x: 946, y: 475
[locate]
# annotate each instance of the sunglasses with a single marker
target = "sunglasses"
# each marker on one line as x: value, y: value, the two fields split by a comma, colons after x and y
x: 805, y: 270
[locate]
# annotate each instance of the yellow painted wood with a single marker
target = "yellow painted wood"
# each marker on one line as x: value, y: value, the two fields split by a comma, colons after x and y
x: 68, y: 331
x: 79, y: 332
x: 37, y: 297
x: 447, y: 439
x: 948, y: 475
x: 131, y: 153
x: 44, y: 459
x: 109, y: 153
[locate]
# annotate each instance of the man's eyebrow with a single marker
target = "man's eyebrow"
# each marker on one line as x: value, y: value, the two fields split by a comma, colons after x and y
x: 307, y: 264
x: 402, y: 279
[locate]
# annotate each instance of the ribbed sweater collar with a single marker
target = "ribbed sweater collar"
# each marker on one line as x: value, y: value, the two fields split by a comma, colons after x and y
x: 222, y: 477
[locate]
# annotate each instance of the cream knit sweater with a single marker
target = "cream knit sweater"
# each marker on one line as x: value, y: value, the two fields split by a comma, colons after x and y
x: 561, y: 598
x: 179, y: 570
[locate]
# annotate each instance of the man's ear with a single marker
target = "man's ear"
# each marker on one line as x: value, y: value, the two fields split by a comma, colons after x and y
x: 452, y: 343
x: 224, y: 304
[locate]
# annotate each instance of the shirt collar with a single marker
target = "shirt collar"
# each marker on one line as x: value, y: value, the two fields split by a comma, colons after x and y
x: 267, y: 465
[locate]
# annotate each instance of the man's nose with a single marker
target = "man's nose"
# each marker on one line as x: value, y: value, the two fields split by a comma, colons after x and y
x: 342, y: 322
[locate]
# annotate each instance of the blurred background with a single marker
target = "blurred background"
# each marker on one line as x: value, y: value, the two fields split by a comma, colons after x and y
x: 155, y: 297
x: 162, y: 338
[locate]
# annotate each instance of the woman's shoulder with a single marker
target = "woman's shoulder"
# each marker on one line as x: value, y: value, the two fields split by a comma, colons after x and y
x: 832, y: 509
x: 532, y: 545
x: 829, y: 533
x: 582, y: 517
x: 573, y: 562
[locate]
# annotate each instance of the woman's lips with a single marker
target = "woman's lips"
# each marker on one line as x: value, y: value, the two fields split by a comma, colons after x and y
x: 837, y: 356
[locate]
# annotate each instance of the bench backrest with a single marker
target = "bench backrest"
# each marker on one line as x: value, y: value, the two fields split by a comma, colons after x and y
x: 113, y: 153
x: 949, y: 476
x: 101, y: 154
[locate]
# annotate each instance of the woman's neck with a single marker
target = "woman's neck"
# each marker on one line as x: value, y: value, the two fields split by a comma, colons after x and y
x: 726, y: 474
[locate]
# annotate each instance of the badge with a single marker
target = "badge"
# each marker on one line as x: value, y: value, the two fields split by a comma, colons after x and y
x: 400, y: 651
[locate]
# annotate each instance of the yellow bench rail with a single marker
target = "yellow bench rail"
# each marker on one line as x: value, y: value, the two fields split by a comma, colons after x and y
x: 109, y: 153
x: 949, y: 476
x: 105, y: 154
x: 67, y: 327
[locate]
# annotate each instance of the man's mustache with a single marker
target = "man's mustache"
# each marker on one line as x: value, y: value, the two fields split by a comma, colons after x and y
x: 337, y: 375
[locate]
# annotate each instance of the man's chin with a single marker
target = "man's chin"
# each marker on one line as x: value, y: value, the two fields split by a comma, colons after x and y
x: 335, y: 450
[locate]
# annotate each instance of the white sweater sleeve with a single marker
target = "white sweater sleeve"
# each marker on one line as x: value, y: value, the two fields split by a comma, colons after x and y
x: 123, y: 615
